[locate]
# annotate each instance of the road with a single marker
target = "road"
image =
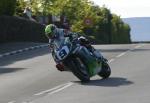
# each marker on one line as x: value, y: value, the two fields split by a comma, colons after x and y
x: 31, y: 77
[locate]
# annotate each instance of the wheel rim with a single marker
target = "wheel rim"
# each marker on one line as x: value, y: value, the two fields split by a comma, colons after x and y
x: 82, y: 66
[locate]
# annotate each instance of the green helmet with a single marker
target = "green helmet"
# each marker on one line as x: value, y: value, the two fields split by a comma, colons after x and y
x: 49, y: 29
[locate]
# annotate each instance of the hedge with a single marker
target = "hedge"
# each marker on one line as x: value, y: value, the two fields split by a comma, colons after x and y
x: 20, y: 29
x: 7, y: 7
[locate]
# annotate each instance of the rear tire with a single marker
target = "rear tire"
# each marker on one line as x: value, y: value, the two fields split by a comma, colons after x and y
x: 106, y: 71
x: 79, y: 69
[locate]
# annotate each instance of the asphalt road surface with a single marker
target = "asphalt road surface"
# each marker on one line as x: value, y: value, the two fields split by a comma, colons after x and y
x: 31, y: 77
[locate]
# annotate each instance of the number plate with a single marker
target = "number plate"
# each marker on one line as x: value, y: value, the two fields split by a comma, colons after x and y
x: 62, y: 53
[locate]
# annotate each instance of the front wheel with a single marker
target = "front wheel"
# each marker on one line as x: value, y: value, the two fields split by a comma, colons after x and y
x: 79, y: 69
x: 106, y: 71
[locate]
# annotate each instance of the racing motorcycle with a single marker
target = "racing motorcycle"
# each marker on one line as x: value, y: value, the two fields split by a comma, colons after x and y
x: 80, y: 61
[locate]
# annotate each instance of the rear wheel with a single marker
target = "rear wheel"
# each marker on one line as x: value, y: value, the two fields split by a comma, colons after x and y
x: 106, y: 71
x: 79, y: 69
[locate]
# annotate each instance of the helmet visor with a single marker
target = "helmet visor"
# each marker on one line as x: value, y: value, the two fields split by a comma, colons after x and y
x: 48, y: 30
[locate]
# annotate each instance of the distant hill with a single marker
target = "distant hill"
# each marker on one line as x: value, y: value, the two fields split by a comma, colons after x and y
x: 140, y: 28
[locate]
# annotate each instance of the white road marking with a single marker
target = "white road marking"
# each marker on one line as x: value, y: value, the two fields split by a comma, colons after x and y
x: 55, y: 89
x: 121, y: 54
x: 111, y: 60
x: 26, y: 48
x: 6, y: 54
x: 20, y: 50
x: 23, y: 50
x: 138, y: 46
x: 12, y: 102
x: 66, y: 86
x: 1, y: 56
x: 13, y: 52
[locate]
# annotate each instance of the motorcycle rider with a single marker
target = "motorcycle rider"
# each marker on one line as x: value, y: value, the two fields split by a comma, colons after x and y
x: 57, y: 35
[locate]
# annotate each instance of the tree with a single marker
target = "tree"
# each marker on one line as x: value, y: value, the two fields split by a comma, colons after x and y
x: 120, y: 31
x: 20, y: 6
x: 105, y: 26
x: 7, y: 7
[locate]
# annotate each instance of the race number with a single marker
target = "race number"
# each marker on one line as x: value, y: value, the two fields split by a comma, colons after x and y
x: 62, y: 53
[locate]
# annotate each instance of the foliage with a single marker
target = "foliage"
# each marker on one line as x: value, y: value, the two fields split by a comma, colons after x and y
x: 120, y: 31
x: 105, y: 27
x: 20, y: 6
x: 7, y: 7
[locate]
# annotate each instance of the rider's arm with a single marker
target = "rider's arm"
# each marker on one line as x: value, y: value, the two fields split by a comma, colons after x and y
x: 51, y: 43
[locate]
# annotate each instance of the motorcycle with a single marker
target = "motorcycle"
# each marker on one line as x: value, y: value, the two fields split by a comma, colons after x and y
x: 80, y: 61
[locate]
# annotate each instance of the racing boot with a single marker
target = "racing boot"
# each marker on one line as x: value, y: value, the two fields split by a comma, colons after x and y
x: 60, y: 67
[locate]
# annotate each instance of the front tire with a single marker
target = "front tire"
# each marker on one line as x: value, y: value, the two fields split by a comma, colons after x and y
x: 106, y: 71
x: 79, y: 69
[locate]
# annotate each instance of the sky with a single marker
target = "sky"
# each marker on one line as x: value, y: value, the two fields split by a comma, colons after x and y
x: 127, y: 8
x: 131, y: 8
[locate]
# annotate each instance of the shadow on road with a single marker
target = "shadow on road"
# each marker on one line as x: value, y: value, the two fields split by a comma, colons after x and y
x: 9, y: 70
x: 110, y: 82
x: 23, y: 56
